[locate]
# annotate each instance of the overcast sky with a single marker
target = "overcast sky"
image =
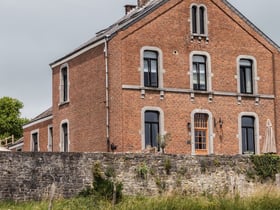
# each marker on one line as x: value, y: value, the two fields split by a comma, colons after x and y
x: 33, y: 33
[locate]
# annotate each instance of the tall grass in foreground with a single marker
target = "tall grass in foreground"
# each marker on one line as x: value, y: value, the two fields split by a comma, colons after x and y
x: 264, y: 202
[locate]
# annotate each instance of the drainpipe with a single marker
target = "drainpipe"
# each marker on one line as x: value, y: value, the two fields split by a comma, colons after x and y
x: 275, y: 100
x: 107, y: 92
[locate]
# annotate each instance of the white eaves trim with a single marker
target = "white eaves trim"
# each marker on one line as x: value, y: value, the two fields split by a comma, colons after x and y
x: 79, y: 52
x: 37, y: 121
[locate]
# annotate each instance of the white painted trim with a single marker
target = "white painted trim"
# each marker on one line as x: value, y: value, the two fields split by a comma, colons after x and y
x: 31, y: 140
x: 61, y: 142
x: 208, y: 69
x: 257, y: 136
x: 255, y: 77
x: 16, y: 146
x: 160, y: 64
x: 210, y: 130
x: 161, y: 122
x: 37, y: 122
x: 68, y: 58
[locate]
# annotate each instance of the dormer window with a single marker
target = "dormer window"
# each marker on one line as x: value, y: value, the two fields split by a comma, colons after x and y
x: 198, y: 20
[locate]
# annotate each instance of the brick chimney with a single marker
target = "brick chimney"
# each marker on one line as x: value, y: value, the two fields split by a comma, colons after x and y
x: 129, y: 7
x: 141, y: 3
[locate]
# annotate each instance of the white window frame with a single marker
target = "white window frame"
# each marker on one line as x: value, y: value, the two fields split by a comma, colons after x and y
x: 210, y: 130
x: 255, y: 77
x: 31, y: 140
x: 61, y: 85
x: 50, y: 139
x: 161, y: 122
x: 209, y: 74
x: 256, y: 128
x: 160, y: 65
x: 61, y: 144
x: 198, y: 6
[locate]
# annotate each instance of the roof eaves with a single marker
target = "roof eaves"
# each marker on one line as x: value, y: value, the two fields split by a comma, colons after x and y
x: 245, y: 19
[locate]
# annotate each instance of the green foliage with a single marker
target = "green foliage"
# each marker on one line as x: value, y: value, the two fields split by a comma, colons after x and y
x: 142, y: 171
x: 265, y: 166
x: 266, y: 202
x: 104, y: 186
x: 10, y: 121
x: 167, y: 165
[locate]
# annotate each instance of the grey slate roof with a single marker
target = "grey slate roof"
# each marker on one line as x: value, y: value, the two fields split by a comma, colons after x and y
x: 43, y: 115
x: 140, y: 12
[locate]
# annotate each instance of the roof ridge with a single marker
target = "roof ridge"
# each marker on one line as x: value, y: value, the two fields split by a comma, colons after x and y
x: 251, y: 24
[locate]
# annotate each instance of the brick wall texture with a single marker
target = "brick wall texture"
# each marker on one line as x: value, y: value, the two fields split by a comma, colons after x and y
x: 168, y: 29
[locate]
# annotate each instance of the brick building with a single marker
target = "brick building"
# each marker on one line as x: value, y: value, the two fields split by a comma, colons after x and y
x: 197, y: 70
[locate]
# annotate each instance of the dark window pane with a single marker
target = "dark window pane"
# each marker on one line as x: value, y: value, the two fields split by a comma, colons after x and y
x: 194, y: 21
x: 202, y: 20
x: 150, y: 68
x: 246, y: 76
x: 199, y: 72
x: 65, y: 136
x: 151, y: 128
x: 35, y: 142
x: 147, y: 134
x: 248, y: 134
x: 64, y: 74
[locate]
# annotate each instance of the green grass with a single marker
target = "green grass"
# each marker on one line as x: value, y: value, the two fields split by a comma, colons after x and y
x: 265, y: 202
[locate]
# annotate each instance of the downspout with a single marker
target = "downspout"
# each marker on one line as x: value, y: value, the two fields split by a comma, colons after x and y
x: 107, y: 93
x: 275, y: 100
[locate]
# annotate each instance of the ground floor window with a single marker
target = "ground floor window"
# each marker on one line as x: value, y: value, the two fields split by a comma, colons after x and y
x: 35, y: 143
x: 151, y: 128
x: 201, y: 133
x: 65, y: 139
x: 248, y: 134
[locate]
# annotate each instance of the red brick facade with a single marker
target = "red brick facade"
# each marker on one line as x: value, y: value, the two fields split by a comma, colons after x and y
x: 167, y: 31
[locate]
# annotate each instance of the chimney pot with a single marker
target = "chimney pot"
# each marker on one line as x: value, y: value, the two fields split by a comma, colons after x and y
x: 129, y: 7
x: 141, y: 3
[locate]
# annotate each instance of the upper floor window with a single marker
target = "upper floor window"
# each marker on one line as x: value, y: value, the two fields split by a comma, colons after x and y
x: 199, y: 72
x: 246, y: 76
x: 150, y: 68
x: 64, y: 87
x: 198, y: 20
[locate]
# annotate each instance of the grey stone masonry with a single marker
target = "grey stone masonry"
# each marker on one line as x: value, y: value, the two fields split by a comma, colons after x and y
x: 29, y: 176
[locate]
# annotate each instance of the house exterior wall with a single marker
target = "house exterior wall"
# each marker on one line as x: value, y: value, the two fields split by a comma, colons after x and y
x: 42, y: 129
x: 168, y: 28
x: 85, y: 110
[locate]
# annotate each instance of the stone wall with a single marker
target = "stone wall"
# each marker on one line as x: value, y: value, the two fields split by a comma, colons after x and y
x: 25, y: 176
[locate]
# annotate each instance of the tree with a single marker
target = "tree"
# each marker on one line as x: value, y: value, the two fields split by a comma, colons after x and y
x: 10, y: 121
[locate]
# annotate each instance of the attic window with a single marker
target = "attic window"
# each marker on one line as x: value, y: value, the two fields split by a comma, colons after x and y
x: 198, y: 21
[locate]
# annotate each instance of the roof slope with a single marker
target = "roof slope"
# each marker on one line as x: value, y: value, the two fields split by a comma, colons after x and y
x: 138, y: 13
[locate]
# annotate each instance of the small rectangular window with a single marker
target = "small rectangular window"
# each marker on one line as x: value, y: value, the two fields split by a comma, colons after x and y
x: 199, y: 72
x: 64, y: 84
x: 151, y: 129
x: 246, y: 76
x: 248, y: 134
x: 35, y: 143
x: 50, y: 139
x: 65, y: 139
x: 150, y: 68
